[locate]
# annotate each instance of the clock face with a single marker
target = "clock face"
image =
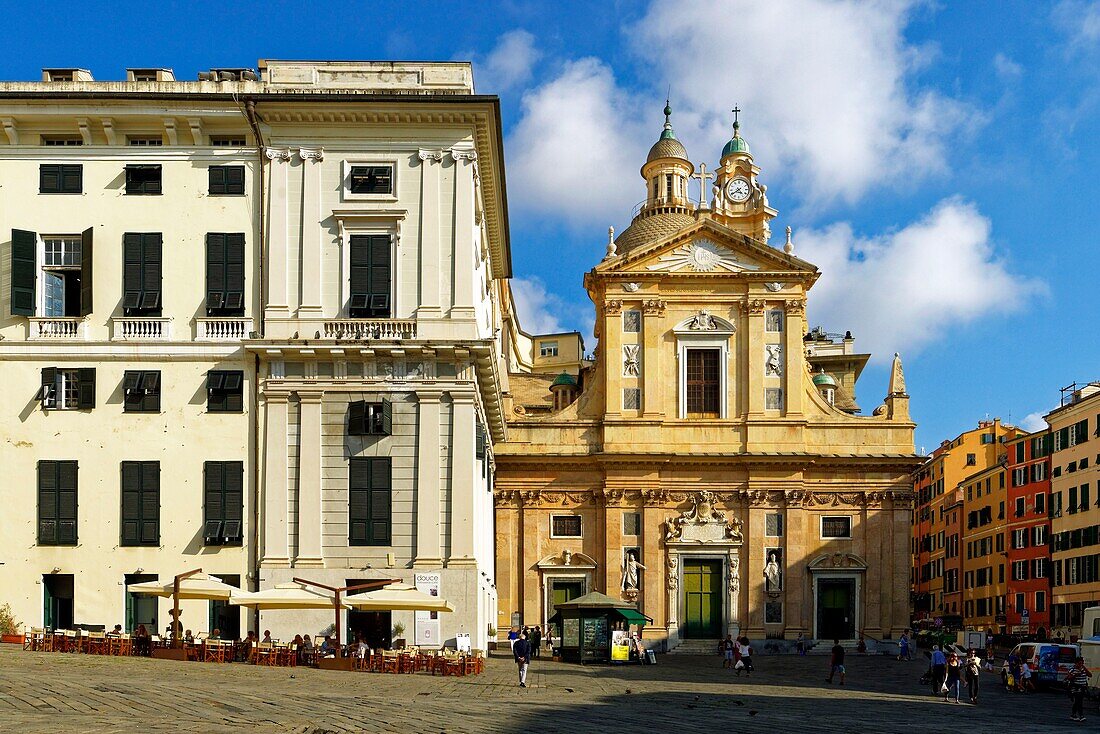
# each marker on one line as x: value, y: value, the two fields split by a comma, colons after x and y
x: 738, y: 190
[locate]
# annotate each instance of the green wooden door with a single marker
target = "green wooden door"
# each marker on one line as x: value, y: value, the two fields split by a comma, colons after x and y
x: 563, y: 591
x: 836, y: 618
x: 702, y: 599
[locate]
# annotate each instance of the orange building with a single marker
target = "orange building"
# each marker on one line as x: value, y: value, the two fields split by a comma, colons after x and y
x: 982, y: 549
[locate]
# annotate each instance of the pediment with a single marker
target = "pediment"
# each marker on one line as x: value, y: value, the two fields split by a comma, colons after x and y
x: 708, y: 248
x: 837, y: 562
x: 567, y: 559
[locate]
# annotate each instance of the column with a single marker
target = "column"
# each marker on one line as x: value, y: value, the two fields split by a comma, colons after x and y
x: 652, y: 352
x: 465, y: 170
x: 311, y: 232
x: 277, y: 234
x: 430, y: 234
x: 309, y: 481
x: 793, y: 371
x: 463, y: 523
x: 428, y: 512
x: 275, y: 482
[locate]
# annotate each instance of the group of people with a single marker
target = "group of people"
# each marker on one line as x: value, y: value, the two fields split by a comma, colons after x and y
x: 736, y: 654
x: 534, y: 636
x: 949, y: 672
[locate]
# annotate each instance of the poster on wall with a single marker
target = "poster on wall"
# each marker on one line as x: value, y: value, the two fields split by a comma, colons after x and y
x: 620, y: 646
x: 571, y: 633
x: 427, y: 623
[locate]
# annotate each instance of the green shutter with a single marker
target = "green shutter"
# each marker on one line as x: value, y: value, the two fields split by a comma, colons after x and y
x: 215, y: 270
x: 85, y: 388
x: 72, y: 179
x: 86, y: 272
x: 214, y: 480
x: 217, y: 179
x: 357, y: 418
x: 151, y: 273
x: 380, y: 501
x: 131, y: 503
x: 387, y: 417
x: 234, y: 273
x: 358, y: 500
x: 150, y: 502
x: 49, y: 179
x: 47, y: 502
x: 360, y: 265
x: 66, y: 502
x: 380, y: 267
x: 233, y: 498
x: 48, y: 393
x: 23, y: 275
x: 234, y: 179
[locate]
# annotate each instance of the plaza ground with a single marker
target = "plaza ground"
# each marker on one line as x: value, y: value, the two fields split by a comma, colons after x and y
x: 61, y: 693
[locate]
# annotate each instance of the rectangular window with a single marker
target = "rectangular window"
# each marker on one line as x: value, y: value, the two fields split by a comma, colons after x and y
x: 226, y: 180
x: 140, y: 503
x: 66, y: 275
x: 1040, y: 502
x: 1072, y: 508
x: 1019, y: 507
x: 369, y: 491
x: 565, y: 526
x: 632, y: 523
x: 57, y: 502
x: 773, y: 525
x: 370, y: 180
x: 225, y: 391
x: 62, y: 140
x: 971, y: 459
x: 370, y: 276
x: 225, y: 274
x: 144, y: 141
x: 370, y: 419
x: 143, y: 180
x: 60, y: 179
x: 632, y: 398
x: 548, y: 349
x: 223, y: 502
x: 228, y: 141
x: 1039, y: 569
x: 703, y: 384
x: 141, y: 390
x: 67, y: 389
x: 632, y: 321
x: 141, y: 273
x: 1000, y: 542
x: 1084, y: 497
x: 773, y: 320
x: 1021, y: 604
x: 836, y: 526
x: 1040, y: 601
x: 1020, y: 449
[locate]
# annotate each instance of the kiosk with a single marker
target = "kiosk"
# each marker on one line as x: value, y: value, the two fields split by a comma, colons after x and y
x: 591, y: 625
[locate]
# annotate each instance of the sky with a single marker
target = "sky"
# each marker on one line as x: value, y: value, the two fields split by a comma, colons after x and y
x: 935, y: 160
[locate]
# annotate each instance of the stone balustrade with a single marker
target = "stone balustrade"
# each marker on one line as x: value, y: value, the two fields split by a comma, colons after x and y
x: 223, y: 328
x: 56, y: 327
x: 141, y: 328
x: 385, y: 329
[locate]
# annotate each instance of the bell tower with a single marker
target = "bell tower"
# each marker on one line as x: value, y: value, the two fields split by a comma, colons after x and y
x: 740, y: 200
x: 667, y: 171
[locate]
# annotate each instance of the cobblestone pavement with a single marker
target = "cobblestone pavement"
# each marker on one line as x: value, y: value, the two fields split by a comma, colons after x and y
x: 54, y: 692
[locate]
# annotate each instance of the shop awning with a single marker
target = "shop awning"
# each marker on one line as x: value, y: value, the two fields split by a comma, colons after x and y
x: 633, y: 616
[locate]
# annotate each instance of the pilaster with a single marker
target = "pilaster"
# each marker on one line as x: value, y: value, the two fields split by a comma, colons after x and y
x: 431, y: 161
x: 613, y: 338
x: 428, y: 506
x: 652, y: 359
x: 793, y: 368
x: 277, y: 233
x: 754, y: 341
x: 463, y: 521
x: 464, y: 260
x: 795, y: 576
x: 309, y: 481
x: 275, y: 546
x: 752, y: 571
x: 311, y: 232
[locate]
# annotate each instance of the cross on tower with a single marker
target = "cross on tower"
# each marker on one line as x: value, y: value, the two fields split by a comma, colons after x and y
x: 736, y: 111
x: 702, y: 176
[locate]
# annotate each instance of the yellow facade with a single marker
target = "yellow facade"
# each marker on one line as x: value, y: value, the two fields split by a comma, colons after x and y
x: 981, y: 548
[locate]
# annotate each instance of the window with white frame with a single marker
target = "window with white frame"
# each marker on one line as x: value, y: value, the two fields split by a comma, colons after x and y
x: 144, y: 140
x: 548, y: 349
x: 836, y: 526
x: 370, y: 179
x: 1040, y: 601
x: 61, y: 275
x: 1019, y: 570
x: 1039, y: 568
x: 565, y: 526
x: 1039, y: 533
x: 1019, y: 538
x: 1019, y: 507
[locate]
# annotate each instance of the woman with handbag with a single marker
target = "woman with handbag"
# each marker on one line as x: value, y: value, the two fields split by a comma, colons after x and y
x: 954, y: 678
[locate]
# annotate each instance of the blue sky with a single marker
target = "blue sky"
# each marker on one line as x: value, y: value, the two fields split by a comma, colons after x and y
x: 936, y: 160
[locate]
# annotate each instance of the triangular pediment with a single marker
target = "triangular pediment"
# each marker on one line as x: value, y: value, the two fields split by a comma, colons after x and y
x: 708, y: 248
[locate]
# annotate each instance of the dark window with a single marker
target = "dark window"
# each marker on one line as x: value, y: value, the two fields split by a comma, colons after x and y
x: 226, y: 180
x: 140, y: 503
x: 62, y: 140
x: 836, y: 527
x: 142, y: 391
x: 227, y: 141
x: 60, y: 179
x: 369, y: 501
x: 223, y: 502
x: 371, y: 180
x: 23, y: 275
x: 369, y: 419
x: 57, y: 503
x: 370, y: 276
x: 141, y: 273
x: 225, y: 391
x: 67, y: 389
x: 143, y: 179
x: 565, y: 526
x: 773, y: 525
x: 632, y: 523
x: 702, y: 383
x: 225, y: 274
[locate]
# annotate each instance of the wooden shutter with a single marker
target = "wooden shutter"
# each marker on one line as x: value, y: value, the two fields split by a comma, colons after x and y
x: 23, y: 275
x: 215, y: 268
x: 234, y: 179
x: 151, y: 272
x: 150, y: 387
x: 214, y: 480
x: 360, y: 266
x: 72, y: 179
x: 66, y: 502
x: 48, y: 394
x: 217, y: 179
x: 49, y: 179
x: 131, y: 502
x: 86, y: 272
x: 47, y: 502
x: 85, y: 388
x: 380, y: 501
x: 150, y: 502
x: 380, y: 275
x: 131, y: 270
x: 233, y: 497
x: 234, y: 273
x: 357, y: 418
x: 387, y: 417
x: 359, y: 501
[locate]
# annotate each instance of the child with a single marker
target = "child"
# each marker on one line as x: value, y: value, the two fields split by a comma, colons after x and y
x: 744, y: 661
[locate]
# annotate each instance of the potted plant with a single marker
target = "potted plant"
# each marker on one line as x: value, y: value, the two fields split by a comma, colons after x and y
x: 492, y: 637
x: 398, y: 635
x: 9, y: 626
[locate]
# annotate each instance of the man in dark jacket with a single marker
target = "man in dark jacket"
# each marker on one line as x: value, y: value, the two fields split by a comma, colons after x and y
x: 536, y: 640
x: 521, y: 651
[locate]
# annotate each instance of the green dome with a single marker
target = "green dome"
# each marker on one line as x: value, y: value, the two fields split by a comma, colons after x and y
x: 736, y: 144
x: 823, y: 380
x: 564, y: 379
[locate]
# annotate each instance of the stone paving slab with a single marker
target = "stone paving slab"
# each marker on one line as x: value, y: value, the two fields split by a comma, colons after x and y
x: 55, y: 692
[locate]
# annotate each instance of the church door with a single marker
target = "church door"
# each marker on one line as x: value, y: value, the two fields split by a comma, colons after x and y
x: 836, y: 618
x: 702, y: 599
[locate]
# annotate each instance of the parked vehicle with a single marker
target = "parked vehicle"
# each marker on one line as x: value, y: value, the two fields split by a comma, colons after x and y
x: 1090, y: 651
x: 1049, y: 662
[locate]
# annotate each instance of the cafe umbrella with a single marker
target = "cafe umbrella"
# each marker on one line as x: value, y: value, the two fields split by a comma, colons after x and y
x: 191, y: 585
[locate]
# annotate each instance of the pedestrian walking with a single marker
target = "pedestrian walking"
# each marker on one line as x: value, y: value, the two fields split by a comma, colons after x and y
x: 725, y: 647
x: 536, y: 640
x: 836, y: 662
x: 954, y: 678
x: 939, y: 670
x: 521, y: 651
x: 800, y: 644
x: 972, y: 667
x: 903, y: 647
x: 744, y: 657
x: 1077, y: 680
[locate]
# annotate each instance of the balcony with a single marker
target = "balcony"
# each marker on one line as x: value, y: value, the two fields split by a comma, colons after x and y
x: 56, y: 328
x: 222, y: 329
x: 141, y: 328
x: 362, y: 329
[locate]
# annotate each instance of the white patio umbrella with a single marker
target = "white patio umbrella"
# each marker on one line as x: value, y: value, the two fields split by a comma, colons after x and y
x: 398, y: 597
x: 199, y: 586
x: 286, y: 596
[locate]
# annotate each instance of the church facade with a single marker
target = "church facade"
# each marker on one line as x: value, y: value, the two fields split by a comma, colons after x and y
x: 710, y: 464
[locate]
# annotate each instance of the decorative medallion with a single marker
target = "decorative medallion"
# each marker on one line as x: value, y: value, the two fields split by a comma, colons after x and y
x: 703, y: 523
x: 702, y: 256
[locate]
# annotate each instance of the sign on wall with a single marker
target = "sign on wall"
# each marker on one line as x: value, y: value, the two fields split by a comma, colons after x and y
x: 427, y: 623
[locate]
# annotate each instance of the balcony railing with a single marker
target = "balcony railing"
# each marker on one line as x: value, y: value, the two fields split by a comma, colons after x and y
x: 56, y: 327
x: 138, y: 328
x: 387, y: 329
x: 224, y: 328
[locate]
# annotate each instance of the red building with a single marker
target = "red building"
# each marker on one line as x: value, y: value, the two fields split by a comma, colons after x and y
x: 1027, y: 541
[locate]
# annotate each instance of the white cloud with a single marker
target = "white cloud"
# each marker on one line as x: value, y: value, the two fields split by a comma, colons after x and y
x: 1080, y: 21
x: 1005, y: 67
x: 1034, y: 422
x: 538, y: 309
x: 901, y: 290
x: 826, y: 87
x: 509, y: 64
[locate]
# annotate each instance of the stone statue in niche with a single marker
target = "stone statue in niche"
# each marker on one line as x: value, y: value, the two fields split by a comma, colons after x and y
x: 773, y: 361
x: 735, y: 574
x: 702, y: 321
x: 631, y: 580
x: 630, y: 360
x: 773, y: 574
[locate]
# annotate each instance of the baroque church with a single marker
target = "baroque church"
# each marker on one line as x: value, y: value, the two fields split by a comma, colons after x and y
x: 711, y: 464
